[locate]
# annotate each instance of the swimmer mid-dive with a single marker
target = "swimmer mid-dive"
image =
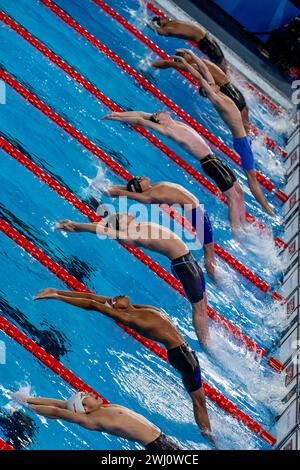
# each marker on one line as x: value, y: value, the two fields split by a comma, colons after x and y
x: 161, y: 240
x: 89, y: 411
x: 141, y: 189
x: 231, y: 115
x: 193, y: 143
x: 152, y: 323
x: 220, y: 78
x: 191, y: 32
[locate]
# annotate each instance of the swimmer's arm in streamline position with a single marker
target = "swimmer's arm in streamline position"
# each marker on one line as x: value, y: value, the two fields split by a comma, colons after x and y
x: 90, y: 304
x: 168, y: 64
x: 50, y: 293
x: 137, y: 118
x: 54, y: 412
x: 96, y: 227
x: 119, y: 191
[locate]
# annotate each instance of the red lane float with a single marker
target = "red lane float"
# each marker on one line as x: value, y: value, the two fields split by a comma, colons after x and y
x: 113, y: 106
x: 274, y: 107
x: 158, y: 94
x: 145, y: 40
x: 5, y: 446
x: 71, y: 378
x: 145, y: 259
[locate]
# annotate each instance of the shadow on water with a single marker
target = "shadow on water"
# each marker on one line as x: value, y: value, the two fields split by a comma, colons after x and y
x: 18, y: 429
x: 51, y: 339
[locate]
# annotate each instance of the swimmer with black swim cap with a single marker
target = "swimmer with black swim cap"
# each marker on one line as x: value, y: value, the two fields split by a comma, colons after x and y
x: 153, y: 324
x: 89, y: 411
x: 192, y: 142
x: 184, y: 30
x: 142, y: 190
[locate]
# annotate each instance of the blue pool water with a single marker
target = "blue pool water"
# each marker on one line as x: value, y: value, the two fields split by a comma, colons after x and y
x: 90, y: 345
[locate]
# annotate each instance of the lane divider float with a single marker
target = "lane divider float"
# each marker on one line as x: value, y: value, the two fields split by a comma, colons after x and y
x: 68, y: 375
x: 145, y: 259
x: 113, y: 106
x: 161, y: 96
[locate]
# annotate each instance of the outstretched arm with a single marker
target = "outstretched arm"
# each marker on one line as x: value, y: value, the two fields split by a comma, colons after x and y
x: 97, y: 228
x: 90, y: 304
x: 136, y: 118
x: 50, y: 293
x: 115, y: 191
x: 62, y: 404
x: 168, y: 64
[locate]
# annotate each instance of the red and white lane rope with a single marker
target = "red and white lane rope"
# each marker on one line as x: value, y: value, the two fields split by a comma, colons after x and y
x: 145, y: 40
x: 273, y: 107
x: 145, y: 259
x: 161, y: 96
x: 71, y: 378
x: 99, y: 95
x: 5, y: 446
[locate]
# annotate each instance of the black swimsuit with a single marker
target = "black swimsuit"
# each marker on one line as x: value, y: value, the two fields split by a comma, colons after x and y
x: 218, y: 171
x: 185, y: 361
x: 211, y: 48
x: 163, y: 442
x: 188, y: 271
x: 234, y: 93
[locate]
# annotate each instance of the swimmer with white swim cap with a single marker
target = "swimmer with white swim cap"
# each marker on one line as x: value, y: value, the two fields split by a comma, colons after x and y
x: 89, y: 411
x: 155, y: 325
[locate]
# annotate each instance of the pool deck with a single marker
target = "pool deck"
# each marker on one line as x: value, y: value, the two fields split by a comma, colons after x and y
x: 275, y: 87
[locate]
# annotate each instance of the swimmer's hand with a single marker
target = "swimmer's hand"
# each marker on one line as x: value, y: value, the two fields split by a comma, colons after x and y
x: 48, y: 293
x: 67, y: 226
x: 20, y: 397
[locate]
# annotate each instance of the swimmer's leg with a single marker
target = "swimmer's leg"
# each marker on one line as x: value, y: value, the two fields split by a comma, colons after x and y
x: 257, y: 192
x: 241, y: 199
x: 200, y: 321
x: 201, y: 415
x: 210, y: 260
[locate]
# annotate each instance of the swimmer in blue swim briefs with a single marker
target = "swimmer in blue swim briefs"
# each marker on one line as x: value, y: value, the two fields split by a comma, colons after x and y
x: 141, y: 189
x: 159, y: 239
x: 154, y: 324
x: 231, y: 115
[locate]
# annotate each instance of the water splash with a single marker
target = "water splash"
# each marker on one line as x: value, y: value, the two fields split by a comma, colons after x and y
x: 97, y: 185
x: 140, y: 17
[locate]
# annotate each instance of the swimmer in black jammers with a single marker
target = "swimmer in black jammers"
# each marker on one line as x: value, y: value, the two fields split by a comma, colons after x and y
x: 192, y: 32
x: 152, y: 323
x: 89, y: 411
x: 124, y: 228
x: 195, y: 145
x: 142, y: 190
x: 230, y: 113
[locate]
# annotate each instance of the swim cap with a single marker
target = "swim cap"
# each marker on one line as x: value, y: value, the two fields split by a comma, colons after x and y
x: 202, y: 92
x: 134, y: 185
x: 75, y: 402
